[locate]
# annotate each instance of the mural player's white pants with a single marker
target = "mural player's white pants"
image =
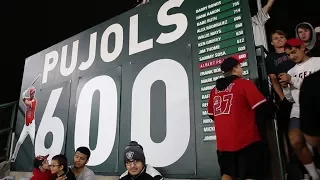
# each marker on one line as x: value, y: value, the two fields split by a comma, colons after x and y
x: 31, y: 130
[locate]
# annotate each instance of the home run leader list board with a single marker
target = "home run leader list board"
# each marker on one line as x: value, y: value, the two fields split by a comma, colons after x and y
x: 220, y: 34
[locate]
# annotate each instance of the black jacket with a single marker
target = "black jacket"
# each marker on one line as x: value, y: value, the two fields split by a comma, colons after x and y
x: 69, y: 174
x: 148, y: 173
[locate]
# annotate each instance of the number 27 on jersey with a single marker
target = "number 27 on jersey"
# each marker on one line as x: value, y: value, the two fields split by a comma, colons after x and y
x: 222, y: 104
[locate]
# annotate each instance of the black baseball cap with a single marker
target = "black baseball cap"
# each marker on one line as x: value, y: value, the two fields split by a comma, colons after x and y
x: 229, y: 63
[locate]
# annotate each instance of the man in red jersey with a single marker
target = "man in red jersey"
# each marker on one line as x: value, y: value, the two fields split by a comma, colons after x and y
x: 232, y: 106
x: 29, y: 126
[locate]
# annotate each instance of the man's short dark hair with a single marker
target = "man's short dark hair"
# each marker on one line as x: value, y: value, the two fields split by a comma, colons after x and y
x: 304, y: 26
x: 280, y: 32
x: 62, y: 161
x: 84, y: 150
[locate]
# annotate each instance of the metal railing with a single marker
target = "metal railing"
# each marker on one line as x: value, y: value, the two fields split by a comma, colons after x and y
x: 265, y: 88
x: 7, y: 117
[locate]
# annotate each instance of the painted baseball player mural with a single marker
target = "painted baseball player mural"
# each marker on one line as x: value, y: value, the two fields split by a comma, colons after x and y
x: 29, y: 126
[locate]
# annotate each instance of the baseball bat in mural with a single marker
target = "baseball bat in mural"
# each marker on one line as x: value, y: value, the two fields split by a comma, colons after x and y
x: 34, y: 81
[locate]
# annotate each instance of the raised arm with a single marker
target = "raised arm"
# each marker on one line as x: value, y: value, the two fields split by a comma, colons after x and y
x: 25, y: 100
x: 268, y: 6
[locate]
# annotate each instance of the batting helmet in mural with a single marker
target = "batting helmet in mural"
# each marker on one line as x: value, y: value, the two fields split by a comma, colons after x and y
x: 32, y: 90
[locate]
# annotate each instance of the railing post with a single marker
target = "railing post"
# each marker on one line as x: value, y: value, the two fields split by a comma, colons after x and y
x: 7, y: 118
x: 264, y: 85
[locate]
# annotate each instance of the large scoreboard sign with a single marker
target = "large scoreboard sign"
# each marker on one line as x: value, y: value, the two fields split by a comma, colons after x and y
x: 145, y: 76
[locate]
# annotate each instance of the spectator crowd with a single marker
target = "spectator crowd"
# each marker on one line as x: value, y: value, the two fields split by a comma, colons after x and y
x: 240, y: 111
x: 292, y: 61
x: 58, y: 169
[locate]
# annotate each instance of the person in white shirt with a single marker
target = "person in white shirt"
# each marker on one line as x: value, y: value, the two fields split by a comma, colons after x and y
x: 291, y: 83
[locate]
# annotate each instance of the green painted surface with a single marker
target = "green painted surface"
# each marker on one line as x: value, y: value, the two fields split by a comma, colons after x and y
x: 210, y: 24
x: 224, y: 44
x: 215, y: 10
x: 217, y: 24
x: 224, y: 52
x: 220, y: 30
x: 222, y: 37
x: 219, y: 16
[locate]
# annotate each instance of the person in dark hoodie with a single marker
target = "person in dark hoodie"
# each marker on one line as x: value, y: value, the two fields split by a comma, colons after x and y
x: 41, y: 169
x: 233, y: 105
x: 135, y: 163
x: 59, y: 168
x: 306, y: 33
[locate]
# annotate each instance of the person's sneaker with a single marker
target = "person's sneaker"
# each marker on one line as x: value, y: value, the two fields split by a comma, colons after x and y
x: 13, y: 159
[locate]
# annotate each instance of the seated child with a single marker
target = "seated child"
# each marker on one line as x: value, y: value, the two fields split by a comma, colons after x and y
x: 59, y: 168
x: 41, y: 169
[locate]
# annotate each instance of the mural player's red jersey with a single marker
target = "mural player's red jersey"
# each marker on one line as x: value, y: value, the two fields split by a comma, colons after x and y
x: 234, y: 114
x: 30, y: 111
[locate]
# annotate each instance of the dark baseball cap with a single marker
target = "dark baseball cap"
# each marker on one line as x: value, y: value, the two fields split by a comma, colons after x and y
x: 293, y: 42
x: 37, y: 161
x: 229, y: 63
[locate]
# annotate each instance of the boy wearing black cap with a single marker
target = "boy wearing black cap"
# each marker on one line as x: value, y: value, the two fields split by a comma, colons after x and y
x: 135, y: 163
x: 232, y: 105
x: 41, y: 169
x: 291, y: 83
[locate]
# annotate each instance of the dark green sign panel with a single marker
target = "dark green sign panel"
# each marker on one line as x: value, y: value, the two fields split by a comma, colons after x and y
x: 223, y: 29
x: 223, y: 37
x: 146, y: 76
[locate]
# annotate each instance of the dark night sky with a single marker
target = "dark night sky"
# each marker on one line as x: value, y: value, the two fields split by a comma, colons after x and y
x: 28, y: 27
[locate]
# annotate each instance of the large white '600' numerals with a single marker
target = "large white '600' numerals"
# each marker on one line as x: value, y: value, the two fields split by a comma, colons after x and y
x: 52, y: 124
x: 107, y: 118
x: 177, y: 119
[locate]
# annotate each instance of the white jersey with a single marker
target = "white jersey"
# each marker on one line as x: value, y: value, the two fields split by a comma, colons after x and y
x: 298, y: 73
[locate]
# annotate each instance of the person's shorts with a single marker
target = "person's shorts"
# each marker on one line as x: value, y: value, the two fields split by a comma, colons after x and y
x: 310, y: 126
x: 294, y: 123
x: 283, y: 115
x: 247, y: 163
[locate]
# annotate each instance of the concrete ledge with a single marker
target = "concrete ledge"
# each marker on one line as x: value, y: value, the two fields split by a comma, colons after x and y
x: 19, y: 175
x: 22, y: 175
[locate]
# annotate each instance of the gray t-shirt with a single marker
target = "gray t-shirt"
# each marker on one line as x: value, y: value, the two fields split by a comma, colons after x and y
x: 86, y: 174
